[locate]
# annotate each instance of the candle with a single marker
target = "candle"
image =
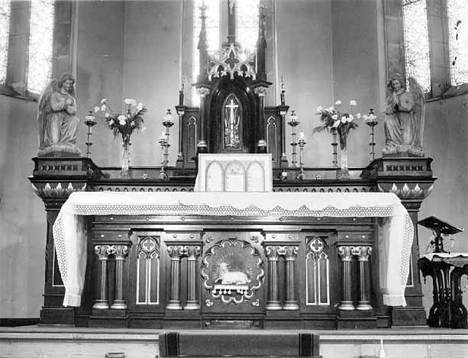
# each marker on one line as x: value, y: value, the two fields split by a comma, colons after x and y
x: 162, y: 138
x: 301, y: 135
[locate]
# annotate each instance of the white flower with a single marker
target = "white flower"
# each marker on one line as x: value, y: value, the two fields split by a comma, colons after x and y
x: 343, y: 119
x: 107, y: 115
x: 132, y: 123
x: 336, y: 124
x: 331, y: 109
x: 319, y: 109
x: 352, y: 103
x: 96, y: 109
x: 103, y: 107
x: 358, y: 115
x: 335, y: 117
x: 127, y: 101
x: 338, y: 102
x: 139, y: 106
x: 111, y: 122
x: 89, y: 118
x: 350, y: 118
x: 104, y: 100
x: 143, y: 129
x: 133, y: 102
x: 122, y: 120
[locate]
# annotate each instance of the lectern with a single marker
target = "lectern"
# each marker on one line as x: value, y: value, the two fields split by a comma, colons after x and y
x: 439, y: 227
x: 446, y: 270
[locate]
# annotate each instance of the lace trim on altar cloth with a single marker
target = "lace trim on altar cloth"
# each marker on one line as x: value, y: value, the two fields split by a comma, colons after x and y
x: 70, y: 237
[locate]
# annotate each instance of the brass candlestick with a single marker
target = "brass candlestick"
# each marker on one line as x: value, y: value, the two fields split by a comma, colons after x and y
x: 302, y: 143
x: 164, y: 142
x: 90, y: 122
x: 293, y: 123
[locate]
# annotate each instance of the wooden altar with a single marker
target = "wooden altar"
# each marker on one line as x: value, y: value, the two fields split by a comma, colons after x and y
x: 161, y: 268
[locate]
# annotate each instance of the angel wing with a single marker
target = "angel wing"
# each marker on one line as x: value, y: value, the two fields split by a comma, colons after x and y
x: 43, y: 108
x: 419, y: 110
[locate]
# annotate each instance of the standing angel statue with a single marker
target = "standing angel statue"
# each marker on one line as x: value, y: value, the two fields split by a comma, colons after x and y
x: 56, y: 117
x: 404, y: 122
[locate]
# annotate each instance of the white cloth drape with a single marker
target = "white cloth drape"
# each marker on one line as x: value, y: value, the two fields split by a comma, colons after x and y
x: 394, y: 241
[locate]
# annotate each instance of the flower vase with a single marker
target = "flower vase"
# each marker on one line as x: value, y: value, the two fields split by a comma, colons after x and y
x: 125, y: 164
x: 343, y: 172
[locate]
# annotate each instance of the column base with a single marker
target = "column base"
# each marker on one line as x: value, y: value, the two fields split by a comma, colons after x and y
x: 119, y: 305
x: 175, y: 305
x: 101, y: 305
x: 273, y: 306
x: 291, y: 306
x: 346, y: 306
x: 192, y: 306
x: 364, y: 306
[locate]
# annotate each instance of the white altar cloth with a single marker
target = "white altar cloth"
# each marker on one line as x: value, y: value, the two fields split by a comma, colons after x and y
x: 394, y: 241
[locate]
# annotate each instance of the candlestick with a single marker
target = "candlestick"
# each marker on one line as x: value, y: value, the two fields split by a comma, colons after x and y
x: 164, y: 142
x: 293, y: 123
x: 282, y: 95
x: 302, y: 143
x: 90, y: 122
x: 371, y: 121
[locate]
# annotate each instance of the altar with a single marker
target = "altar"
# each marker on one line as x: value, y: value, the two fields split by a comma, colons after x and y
x: 207, y: 260
x: 233, y: 233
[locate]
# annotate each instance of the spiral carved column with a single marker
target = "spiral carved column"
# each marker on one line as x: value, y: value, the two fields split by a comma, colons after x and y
x: 175, y: 252
x: 346, y: 256
x: 192, y: 253
x: 273, y: 303
x: 363, y: 253
x: 103, y: 252
x: 120, y: 252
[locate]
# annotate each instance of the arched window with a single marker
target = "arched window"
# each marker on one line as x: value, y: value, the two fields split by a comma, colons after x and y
x: 216, y: 28
x: 435, y: 35
x: 34, y: 44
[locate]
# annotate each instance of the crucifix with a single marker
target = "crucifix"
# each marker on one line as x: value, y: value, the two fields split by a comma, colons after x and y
x: 231, y: 123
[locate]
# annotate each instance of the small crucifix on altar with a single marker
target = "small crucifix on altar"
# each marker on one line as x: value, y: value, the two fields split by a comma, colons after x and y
x: 231, y: 129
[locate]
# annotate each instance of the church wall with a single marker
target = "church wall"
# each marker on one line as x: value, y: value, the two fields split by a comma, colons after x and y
x: 22, y: 215
x: 356, y: 64
x: 445, y: 141
x: 304, y: 43
x: 99, y: 63
x: 151, y: 73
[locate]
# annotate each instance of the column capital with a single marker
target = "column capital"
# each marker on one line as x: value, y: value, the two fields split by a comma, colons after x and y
x: 176, y: 251
x: 120, y: 251
x: 345, y: 253
x: 103, y: 251
x: 362, y: 252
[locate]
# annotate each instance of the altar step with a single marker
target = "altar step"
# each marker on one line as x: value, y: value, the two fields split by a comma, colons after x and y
x: 71, y: 342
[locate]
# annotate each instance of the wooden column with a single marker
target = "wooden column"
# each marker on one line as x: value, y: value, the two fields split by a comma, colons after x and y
x: 290, y: 253
x: 363, y: 253
x: 120, y: 252
x: 175, y: 252
x: 346, y: 256
x: 261, y: 91
x: 103, y: 252
x: 192, y: 253
x: 273, y: 303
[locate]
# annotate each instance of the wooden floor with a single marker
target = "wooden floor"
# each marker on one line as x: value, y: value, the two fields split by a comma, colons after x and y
x: 72, y: 342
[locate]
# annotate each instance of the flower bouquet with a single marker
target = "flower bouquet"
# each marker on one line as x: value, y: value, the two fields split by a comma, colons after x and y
x: 124, y: 124
x: 341, y: 123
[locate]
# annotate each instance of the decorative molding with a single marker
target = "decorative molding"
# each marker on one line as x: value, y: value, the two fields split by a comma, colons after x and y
x: 58, y: 192
x: 406, y: 190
